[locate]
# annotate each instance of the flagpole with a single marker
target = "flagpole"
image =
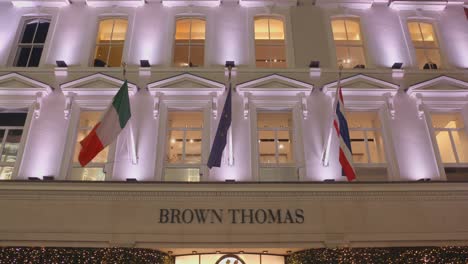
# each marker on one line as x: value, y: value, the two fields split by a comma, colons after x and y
x: 326, y: 150
x: 131, y: 139
x: 230, y: 145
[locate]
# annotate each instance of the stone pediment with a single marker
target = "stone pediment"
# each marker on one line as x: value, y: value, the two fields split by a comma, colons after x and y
x: 442, y: 85
x: 96, y: 84
x: 17, y: 84
x: 186, y: 84
x: 274, y: 85
x: 363, y: 85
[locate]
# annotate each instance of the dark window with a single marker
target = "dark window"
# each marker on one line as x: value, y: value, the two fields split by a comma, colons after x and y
x: 32, y: 42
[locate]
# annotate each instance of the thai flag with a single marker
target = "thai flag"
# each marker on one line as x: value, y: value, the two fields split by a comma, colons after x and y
x: 341, y: 127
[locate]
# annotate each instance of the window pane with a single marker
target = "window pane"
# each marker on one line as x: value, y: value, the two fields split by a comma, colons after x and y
x: 428, y: 34
x: 449, y: 120
x: 197, y: 55
x: 262, y: 52
x: 182, y: 174
x: 415, y: 32
x: 363, y: 120
x: 22, y: 57
x: 105, y: 31
x: 356, y: 56
x: 41, y: 33
x: 358, y: 147
x: 421, y: 58
x: 461, y: 144
x: 274, y: 120
x: 101, y: 54
x: 182, y: 29
x: 343, y: 56
x: 181, y: 55
x: 285, y: 152
x: 185, y: 119
x: 354, y: 33
x: 433, y: 56
x: 88, y: 174
x: 338, y: 28
x: 193, y: 146
x: 120, y: 30
x: 29, y: 30
x: 115, y: 57
x: 175, y: 146
x: 376, y: 147
x: 198, y: 29
x: 267, y: 147
x: 35, y: 57
x: 12, y: 119
x: 6, y: 172
x: 276, y: 29
x: 10, y: 149
x: 445, y: 147
x: 261, y: 28
x: 88, y: 119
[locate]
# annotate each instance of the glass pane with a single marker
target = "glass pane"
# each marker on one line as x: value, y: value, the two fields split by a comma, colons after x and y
x: 193, y: 146
x: 198, y: 29
x: 276, y: 29
x: 363, y: 120
x: 274, y: 120
x: 10, y: 149
x: 262, y: 55
x: 428, y: 34
x: 376, y: 146
x: 181, y: 55
x: 415, y: 33
x: 433, y: 56
x: 285, y: 151
x: 197, y: 55
x: 29, y: 30
x: 88, y: 119
x: 358, y: 147
x: 182, y: 29
x: 41, y: 33
x: 88, y: 174
x: 447, y: 120
x: 354, y: 33
x: 278, y: 174
x: 261, y: 28
x: 105, y: 31
x: 267, y: 147
x: 175, y: 146
x: 22, y: 57
x: 183, y: 119
x: 6, y: 172
x: 182, y: 174
x: 445, y: 147
x: 338, y: 28
x: 115, y: 58
x: 421, y: 58
x: 35, y: 57
x: 120, y: 30
x: 101, y: 55
x: 461, y: 144
x: 278, y: 56
x: 343, y: 57
x: 356, y: 56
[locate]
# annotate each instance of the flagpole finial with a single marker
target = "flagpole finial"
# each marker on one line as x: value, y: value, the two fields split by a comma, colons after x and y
x: 124, y: 70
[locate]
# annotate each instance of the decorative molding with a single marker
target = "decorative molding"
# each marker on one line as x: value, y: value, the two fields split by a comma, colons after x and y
x: 419, y: 105
x: 264, y: 86
x: 381, y: 86
x: 84, y: 86
x: 390, y: 105
x: 214, y: 105
x: 186, y: 84
x: 304, y: 107
x: 267, y: 3
x: 31, y: 86
x: 68, y: 105
x: 110, y: 3
x: 156, y: 105
x: 37, y: 105
x: 422, y: 87
x: 353, y: 4
x: 246, y: 105
x: 428, y: 5
x: 202, y: 3
x: 42, y: 3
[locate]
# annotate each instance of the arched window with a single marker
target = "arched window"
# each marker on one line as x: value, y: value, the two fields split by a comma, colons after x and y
x: 425, y: 44
x: 110, y: 42
x: 31, y: 42
x: 270, y: 48
x: 348, y: 42
x: 189, y: 43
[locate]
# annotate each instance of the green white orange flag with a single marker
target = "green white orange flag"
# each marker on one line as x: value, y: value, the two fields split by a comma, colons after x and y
x: 108, y: 129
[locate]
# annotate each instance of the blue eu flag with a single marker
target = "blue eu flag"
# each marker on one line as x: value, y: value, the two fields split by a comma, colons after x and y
x: 220, y: 140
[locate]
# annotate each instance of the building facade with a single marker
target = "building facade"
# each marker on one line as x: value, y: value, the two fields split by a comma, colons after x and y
x: 402, y: 66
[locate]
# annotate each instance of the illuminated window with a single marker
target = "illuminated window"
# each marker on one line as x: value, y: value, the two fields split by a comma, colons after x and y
x: 184, y: 146
x: 31, y: 42
x: 366, y: 138
x: 451, y: 137
x: 348, y: 42
x: 425, y: 43
x: 11, y: 130
x: 189, y: 44
x: 270, y: 49
x: 275, y: 147
x: 95, y: 170
x: 110, y: 42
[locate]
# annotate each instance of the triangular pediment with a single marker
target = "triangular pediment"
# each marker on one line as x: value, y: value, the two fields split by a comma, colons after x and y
x: 186, y: 84
x: 441, y: 84
x: 275, y: 85
x: 362, y: 82
x: 17, y: 84
x: 96, y: 84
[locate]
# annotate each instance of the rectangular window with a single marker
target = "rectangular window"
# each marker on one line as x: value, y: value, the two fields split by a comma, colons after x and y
x: 11, y: 130
x: 189, y: 44
x: 184, y: 146
x: 425, y: 45
x: 275, y: 147
x: 348, y: 42
x: 31, y: 42
x: 110, y: 42
x: 451, y: 137
x: 270, y: 49
x: 366, y: 138
x: 94, y: 171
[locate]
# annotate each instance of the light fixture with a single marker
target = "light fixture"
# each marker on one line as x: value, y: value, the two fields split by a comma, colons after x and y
x: 169, y: 252
x: 424, y: 180
x: 61, y: 64
x: 194, y: 252
x: 397, y: 65
x: 329, y: 180
x: 218, y: 252
x: 241, y: 252
x: 430, y: 66
x: 34, y: 178
x: 145, y: 64
x: 265, y: 251
x: 314, y: 64
x: 48, y: 178
x: 231, y: 64
x: 191, y: 140
x: 131, y: 180
x: 288, y: 252
x: 360, y: 66
x: 230, y: 180
x: 281, y: 146
x: 173, y: 140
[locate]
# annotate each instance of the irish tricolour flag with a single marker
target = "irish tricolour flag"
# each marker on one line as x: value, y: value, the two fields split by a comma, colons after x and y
x: 106, y: 131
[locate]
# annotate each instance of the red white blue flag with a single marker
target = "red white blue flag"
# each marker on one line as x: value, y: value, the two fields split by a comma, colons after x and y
x: 341, y: 127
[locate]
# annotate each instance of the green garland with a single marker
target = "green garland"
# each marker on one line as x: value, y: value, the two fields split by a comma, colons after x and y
x: 28, y: 255
x: 433, y: 255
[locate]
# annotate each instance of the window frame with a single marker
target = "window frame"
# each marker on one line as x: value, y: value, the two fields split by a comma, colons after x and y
x: 189, y: 45
x: 269, y: 17
x: 414, y: 48
x: 347, y: 46
x: 95, y: 44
